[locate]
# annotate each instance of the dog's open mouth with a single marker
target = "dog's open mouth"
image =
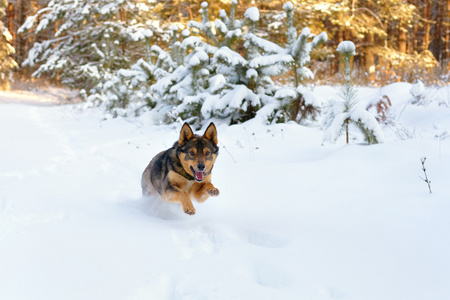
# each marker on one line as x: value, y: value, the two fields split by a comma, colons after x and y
x: 198, y: 176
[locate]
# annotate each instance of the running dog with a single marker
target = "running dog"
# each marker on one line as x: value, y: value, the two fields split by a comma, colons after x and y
x: 183, y: 172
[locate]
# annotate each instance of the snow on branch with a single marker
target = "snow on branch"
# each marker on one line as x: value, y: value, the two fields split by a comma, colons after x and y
x: 229, y: 57
x: 252, y: 13
x: 263, y: 44
x: 346, y: 48
x: 269, y: 60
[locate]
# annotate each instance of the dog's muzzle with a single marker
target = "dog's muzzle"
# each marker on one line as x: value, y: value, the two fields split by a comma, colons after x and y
x: 199, y: 174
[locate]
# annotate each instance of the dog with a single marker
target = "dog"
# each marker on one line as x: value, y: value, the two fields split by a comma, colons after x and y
x: 183, y: 172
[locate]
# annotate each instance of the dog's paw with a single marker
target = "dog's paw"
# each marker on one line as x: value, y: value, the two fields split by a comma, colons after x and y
x: 189, y: 209
x: 190, y: 212
x: 214, y: 192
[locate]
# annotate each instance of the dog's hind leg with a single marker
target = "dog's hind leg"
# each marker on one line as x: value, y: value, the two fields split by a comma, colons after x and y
x: 147, y: 187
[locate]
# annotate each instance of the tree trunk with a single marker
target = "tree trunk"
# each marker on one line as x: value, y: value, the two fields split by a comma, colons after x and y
x: 427, y: 16
x: 446, y: 54
x: 369, y: 58
x: 402, y: 40
x: 296, y: 103
x: 438, y: 32
x: 346, y: 130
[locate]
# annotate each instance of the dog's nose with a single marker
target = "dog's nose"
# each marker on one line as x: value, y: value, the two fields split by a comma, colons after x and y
x: 201, y: 167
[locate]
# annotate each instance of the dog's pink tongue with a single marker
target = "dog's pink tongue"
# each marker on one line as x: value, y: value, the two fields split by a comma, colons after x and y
x: 199, y: 175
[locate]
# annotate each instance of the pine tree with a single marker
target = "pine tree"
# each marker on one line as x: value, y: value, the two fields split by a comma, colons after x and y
x: 183, y: 89
x: 252, y: 72
x: 346, y: 112
x: 7, y: 63
x: 294, y: 103
x: 300, y: 49
x: 243, y: 83
x: 129, y: 90
x: 229, y: 30
x: 93, y: 39
x: 229, y: 87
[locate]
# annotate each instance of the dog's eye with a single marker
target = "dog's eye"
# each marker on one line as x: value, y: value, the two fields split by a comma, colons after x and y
x: 191, y: 153
x: 207, y: 153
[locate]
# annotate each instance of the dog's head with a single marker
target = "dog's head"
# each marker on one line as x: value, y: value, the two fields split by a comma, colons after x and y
x: 198, y: 153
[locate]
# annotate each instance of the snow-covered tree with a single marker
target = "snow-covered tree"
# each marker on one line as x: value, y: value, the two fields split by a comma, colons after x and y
x: 252, y: 72
x: 228, y: 29
x: 230, y: 84
x: 295, y: 102
x: 93, y: 39
x: 7, y: 63
x: 243, y: 83
x: 346, y: 111
x: 128, y: 90
x: 184, y: 89
x: 300, y: 49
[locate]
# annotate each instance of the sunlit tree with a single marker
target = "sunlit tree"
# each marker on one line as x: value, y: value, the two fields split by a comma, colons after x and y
x: 7, y: 63
x: 91, y: 39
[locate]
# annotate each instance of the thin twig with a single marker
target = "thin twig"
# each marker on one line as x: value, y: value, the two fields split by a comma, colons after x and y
x: 423, y: 159
x: 223, y: 146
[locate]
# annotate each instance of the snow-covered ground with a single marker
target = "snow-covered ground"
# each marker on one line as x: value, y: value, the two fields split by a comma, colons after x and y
x: 295, y: 219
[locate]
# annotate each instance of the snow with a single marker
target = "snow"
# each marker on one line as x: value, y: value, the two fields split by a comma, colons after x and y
x: 191, y: 42
x: 229, y: 57
x: 194, y: 61
x: 288, y: 6
x: 251, y: 73
x: 417, y: 90
x: 294, y: 220
x: 252, y: 13
x: 285, y: 93
x: 27, y: 25
x: 269, y: 60
x: 346, y: 48
x: 220, y: 26
x: 42, y: 25
x: 233, y: 33
x: 217, y: 82
x: 321, y: 38
x: 265, y: 45
x: 185, y: 33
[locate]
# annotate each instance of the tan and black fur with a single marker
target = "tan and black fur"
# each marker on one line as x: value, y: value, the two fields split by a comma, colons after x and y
x: 183, y: 172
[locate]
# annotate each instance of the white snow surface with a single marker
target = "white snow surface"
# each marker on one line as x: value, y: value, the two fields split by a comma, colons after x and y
x: 294, y: 219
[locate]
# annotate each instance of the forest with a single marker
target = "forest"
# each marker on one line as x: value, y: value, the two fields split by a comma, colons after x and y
x: 333, y: 130
x: 132, y: 54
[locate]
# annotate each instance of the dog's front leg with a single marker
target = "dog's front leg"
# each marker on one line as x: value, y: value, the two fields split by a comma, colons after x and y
x: 182, y: 197
x: 202, y: 191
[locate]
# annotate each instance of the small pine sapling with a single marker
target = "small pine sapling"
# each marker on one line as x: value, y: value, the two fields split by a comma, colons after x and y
x: 345, y: 112
x: 428, y: 182
x: 300, y: 50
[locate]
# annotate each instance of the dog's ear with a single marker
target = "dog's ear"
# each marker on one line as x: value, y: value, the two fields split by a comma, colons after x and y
x: 211, y: 133
x: 186, y: 134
